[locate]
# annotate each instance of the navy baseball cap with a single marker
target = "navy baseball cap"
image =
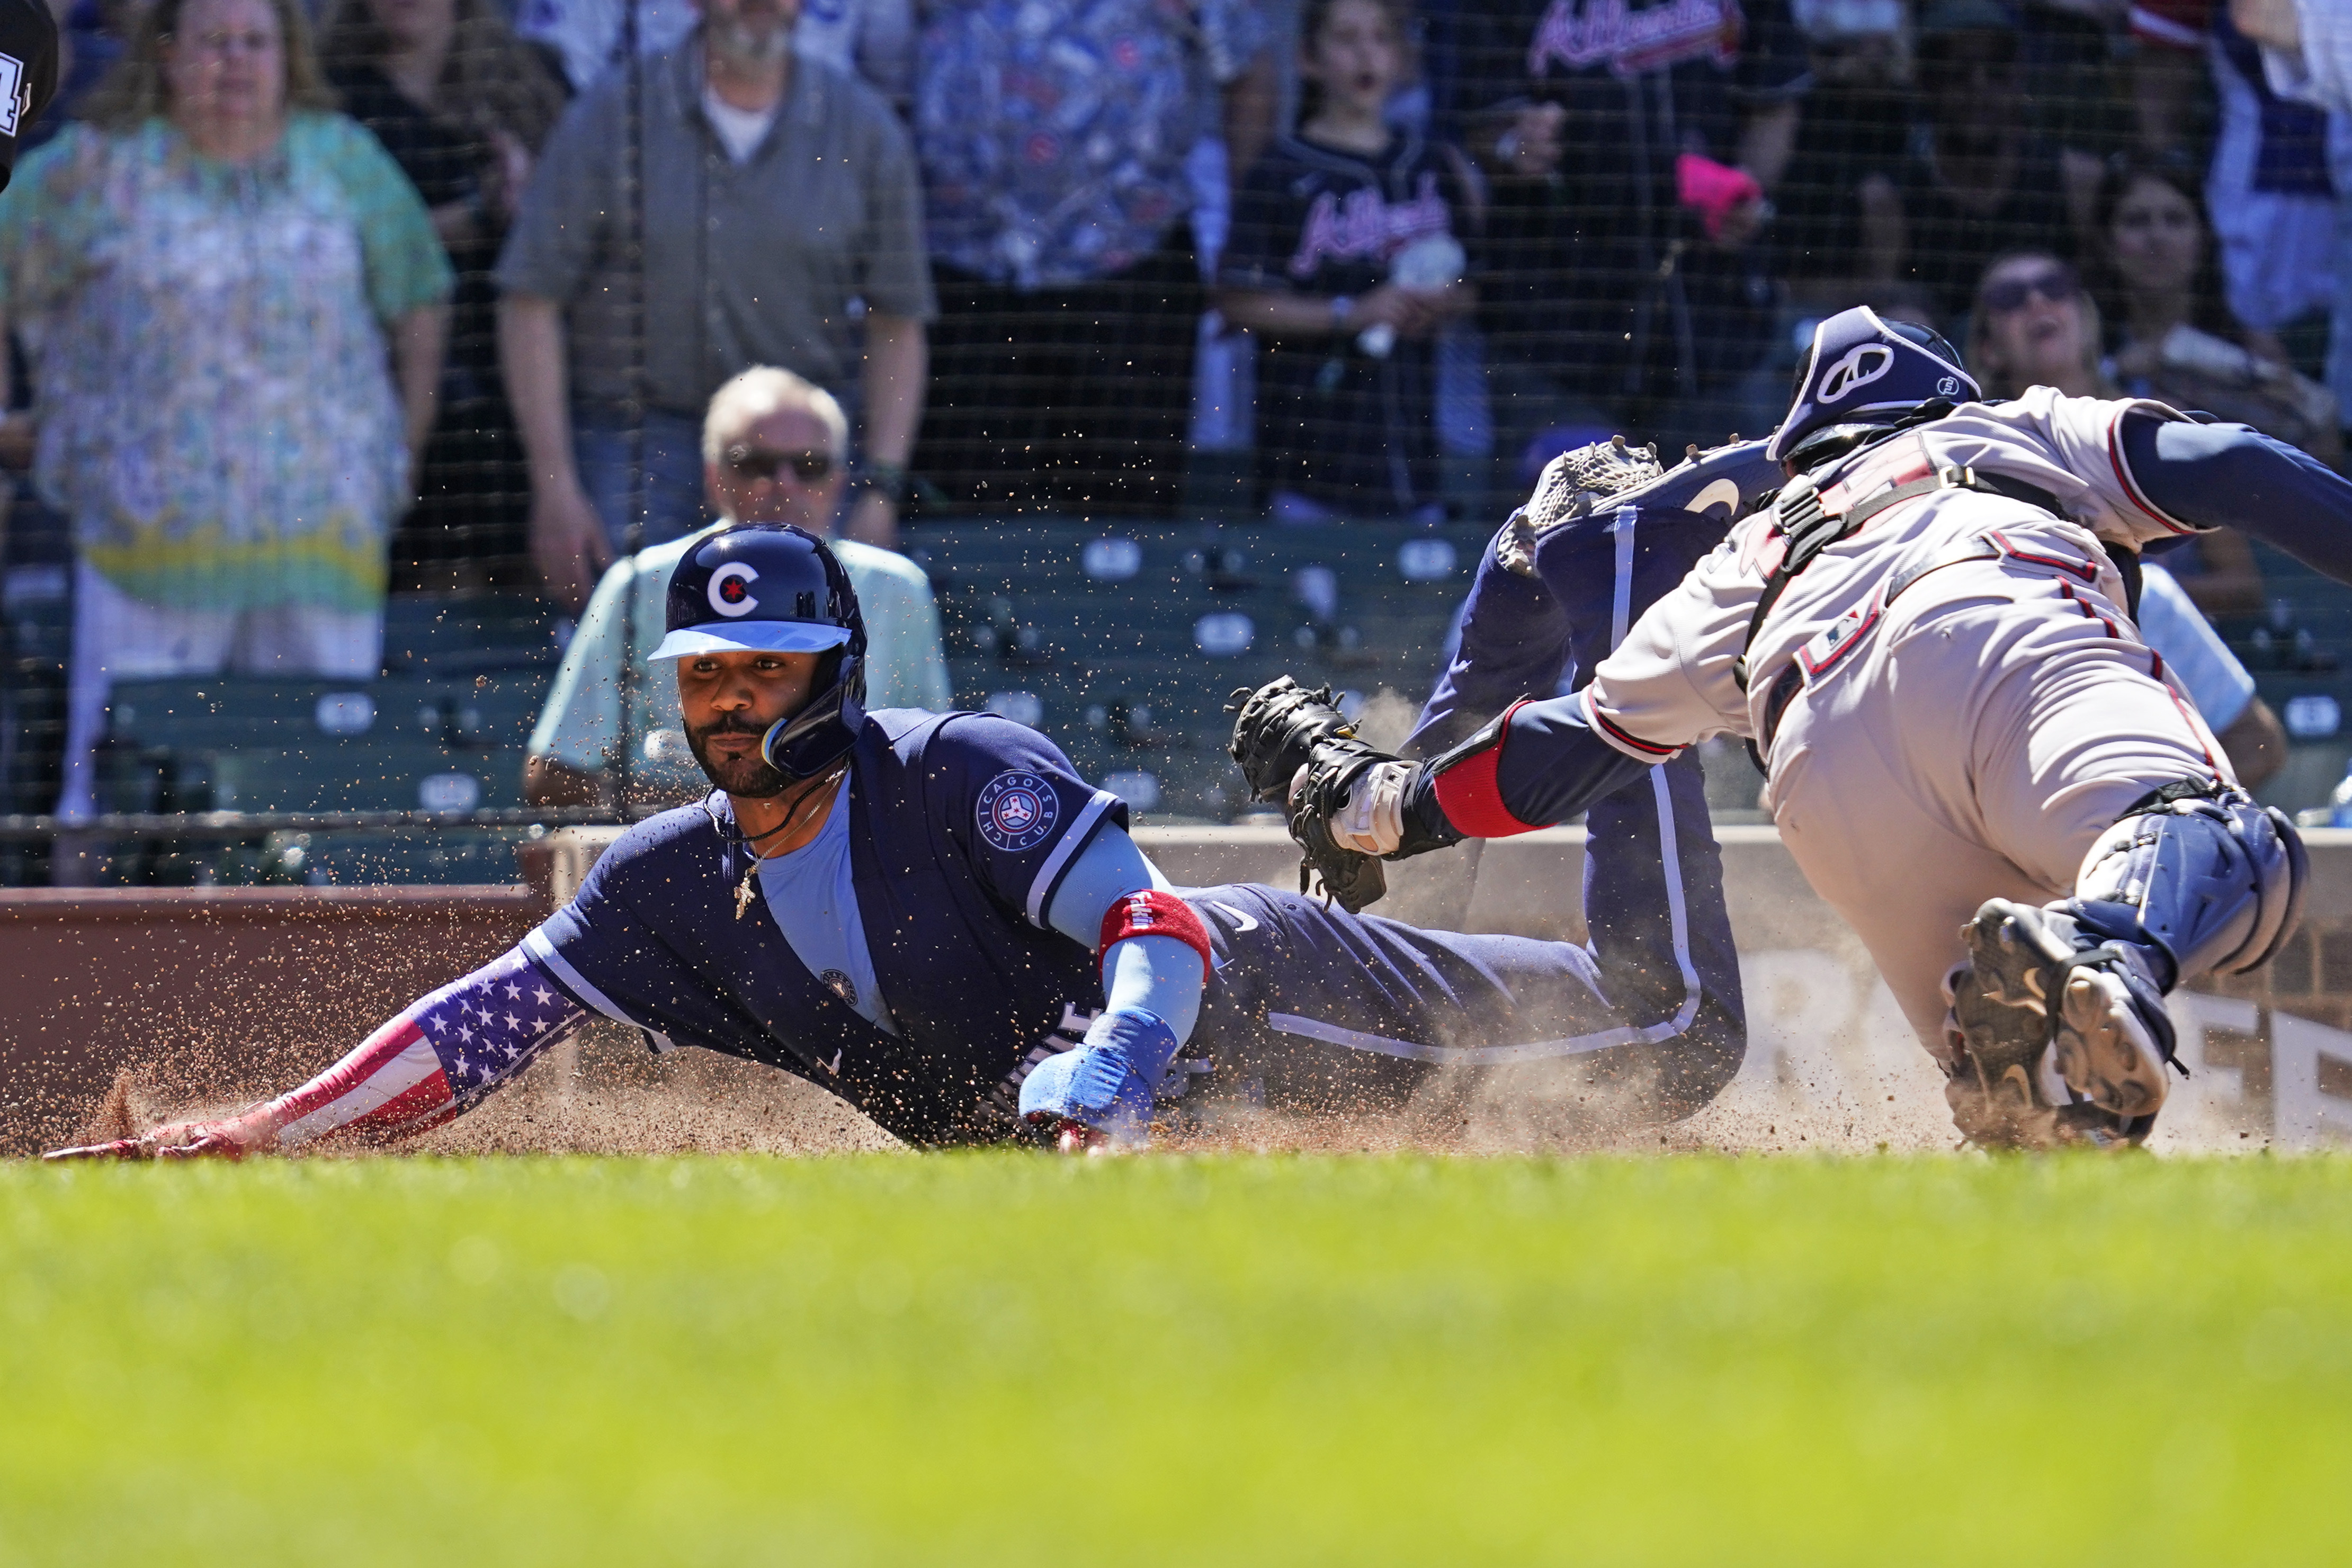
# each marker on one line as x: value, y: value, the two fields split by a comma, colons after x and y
x: 1864, y: 371
x: 28, y: 73
x: 759, y: 587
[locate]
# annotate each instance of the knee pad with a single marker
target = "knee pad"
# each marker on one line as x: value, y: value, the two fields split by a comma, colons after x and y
x: 2200, y: 873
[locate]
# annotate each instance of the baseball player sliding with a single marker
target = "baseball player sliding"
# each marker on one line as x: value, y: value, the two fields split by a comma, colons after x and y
x: 1928, y: 637
x: 932, y: 916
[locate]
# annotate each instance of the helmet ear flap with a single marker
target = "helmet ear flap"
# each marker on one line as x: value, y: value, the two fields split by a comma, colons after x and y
x: 1804, y: 371
x: 805, y: 744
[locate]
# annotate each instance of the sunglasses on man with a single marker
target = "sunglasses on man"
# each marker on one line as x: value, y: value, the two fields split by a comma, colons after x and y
x: 753, y: 463
x: 2055, y: 284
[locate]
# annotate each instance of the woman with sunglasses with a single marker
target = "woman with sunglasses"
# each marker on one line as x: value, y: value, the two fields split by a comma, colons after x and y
x: 2033, y: 324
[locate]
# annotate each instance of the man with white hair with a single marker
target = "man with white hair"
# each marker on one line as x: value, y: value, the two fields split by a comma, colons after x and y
x: 774, y: 449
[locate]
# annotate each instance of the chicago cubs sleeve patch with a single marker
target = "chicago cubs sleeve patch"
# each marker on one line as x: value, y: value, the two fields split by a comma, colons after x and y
x: 1030, y: 813
x: 1016, y: 811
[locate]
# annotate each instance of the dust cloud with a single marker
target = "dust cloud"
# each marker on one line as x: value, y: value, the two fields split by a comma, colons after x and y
x: 1832, y: 1067
x: 609, y: 1096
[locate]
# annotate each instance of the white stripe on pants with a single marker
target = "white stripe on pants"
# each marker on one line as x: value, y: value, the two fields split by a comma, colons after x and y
x: 118, y: 638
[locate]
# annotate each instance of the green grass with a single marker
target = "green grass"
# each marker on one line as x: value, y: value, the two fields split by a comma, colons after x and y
x: 963, y: 1360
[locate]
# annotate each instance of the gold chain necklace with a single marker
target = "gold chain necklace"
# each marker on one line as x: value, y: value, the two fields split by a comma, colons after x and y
x: 816, y: 797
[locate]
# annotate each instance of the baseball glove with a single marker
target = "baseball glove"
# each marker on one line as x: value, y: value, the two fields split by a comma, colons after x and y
x: 1572, y: 485
x: 1296, y: 749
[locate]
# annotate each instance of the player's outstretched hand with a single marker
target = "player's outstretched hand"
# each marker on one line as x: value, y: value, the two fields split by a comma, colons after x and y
x: 1088, y: 1100
x: 172, y: 1141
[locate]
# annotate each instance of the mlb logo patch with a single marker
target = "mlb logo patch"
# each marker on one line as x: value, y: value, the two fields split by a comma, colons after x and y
x: 1839, y: 638
x: 1016, y: 811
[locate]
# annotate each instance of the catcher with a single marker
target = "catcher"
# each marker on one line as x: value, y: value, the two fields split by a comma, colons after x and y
x: 933, y: 918
x: 1927, y: 637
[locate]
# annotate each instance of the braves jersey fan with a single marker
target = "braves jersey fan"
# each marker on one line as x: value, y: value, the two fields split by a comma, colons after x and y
x: 28, y: 73
x: 1345, y: 430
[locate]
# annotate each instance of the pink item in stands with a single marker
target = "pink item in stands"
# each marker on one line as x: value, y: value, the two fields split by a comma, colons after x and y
x: 1712, y: 189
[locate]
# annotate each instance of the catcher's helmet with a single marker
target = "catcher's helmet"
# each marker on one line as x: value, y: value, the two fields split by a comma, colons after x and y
x: 1864, y: 372
x: 771, y: 588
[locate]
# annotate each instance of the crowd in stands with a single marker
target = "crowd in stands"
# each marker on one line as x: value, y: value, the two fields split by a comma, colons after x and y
x: 309, y: 301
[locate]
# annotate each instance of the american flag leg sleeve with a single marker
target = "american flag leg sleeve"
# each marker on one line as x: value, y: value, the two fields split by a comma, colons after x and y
x: 435, y: 1060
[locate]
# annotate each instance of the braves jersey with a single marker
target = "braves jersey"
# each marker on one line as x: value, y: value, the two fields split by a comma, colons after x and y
x: 1641, y: 83
x: 1672, y: 681
x: 1357, y: 434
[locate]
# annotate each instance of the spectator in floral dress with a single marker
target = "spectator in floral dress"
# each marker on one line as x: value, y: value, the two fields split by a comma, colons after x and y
x: 234, y: 306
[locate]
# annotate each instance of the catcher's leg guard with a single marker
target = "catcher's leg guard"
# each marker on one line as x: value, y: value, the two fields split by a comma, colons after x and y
x: 2202, y: 877
x: 2064, y: 1005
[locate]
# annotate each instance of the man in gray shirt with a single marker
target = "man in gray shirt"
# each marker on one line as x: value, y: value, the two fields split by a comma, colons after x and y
x: 778, y: 194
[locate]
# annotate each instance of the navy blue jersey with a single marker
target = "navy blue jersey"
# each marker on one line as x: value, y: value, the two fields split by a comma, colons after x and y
x: 1351, y: 431
x: 1598, y: 275
x: 960, y: 828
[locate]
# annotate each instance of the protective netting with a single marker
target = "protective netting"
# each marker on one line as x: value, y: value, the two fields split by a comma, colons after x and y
x: 1281, y: 305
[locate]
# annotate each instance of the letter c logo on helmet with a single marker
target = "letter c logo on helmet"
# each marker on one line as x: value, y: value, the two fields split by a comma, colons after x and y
x: 1861, y: 366
x: 729, y: 591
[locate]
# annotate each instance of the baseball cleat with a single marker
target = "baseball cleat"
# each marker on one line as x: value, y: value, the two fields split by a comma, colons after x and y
x: 1572, y: 485
x: 2102, y: 1051
x: 2051, y: 1024
x: 2011, y: 1115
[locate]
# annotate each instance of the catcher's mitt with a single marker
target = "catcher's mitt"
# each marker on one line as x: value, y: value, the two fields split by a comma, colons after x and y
x: 1281, y: 728
x: 1574, y: 483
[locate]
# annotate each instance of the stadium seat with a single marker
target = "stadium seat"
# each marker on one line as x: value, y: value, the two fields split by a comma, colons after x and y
x: 352, y: 859
x: 35, y: 637
x: 2300, y: 653
x: 442, y: 635
x: 1122, y: 643
x: 443, y: 731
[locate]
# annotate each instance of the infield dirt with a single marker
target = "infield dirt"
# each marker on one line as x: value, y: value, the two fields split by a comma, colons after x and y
x: 606, y: 1095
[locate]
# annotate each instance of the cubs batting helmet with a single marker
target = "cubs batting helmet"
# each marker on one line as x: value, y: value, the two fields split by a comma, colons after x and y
x: 771, y: 588
x: 1864, y: 372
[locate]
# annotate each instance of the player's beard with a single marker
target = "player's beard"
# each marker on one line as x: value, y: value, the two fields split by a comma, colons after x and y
x: 753, y: 777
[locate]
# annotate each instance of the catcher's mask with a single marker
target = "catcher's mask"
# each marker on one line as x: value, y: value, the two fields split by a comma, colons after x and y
x: 1862, y: 373
x: 774, y: 588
